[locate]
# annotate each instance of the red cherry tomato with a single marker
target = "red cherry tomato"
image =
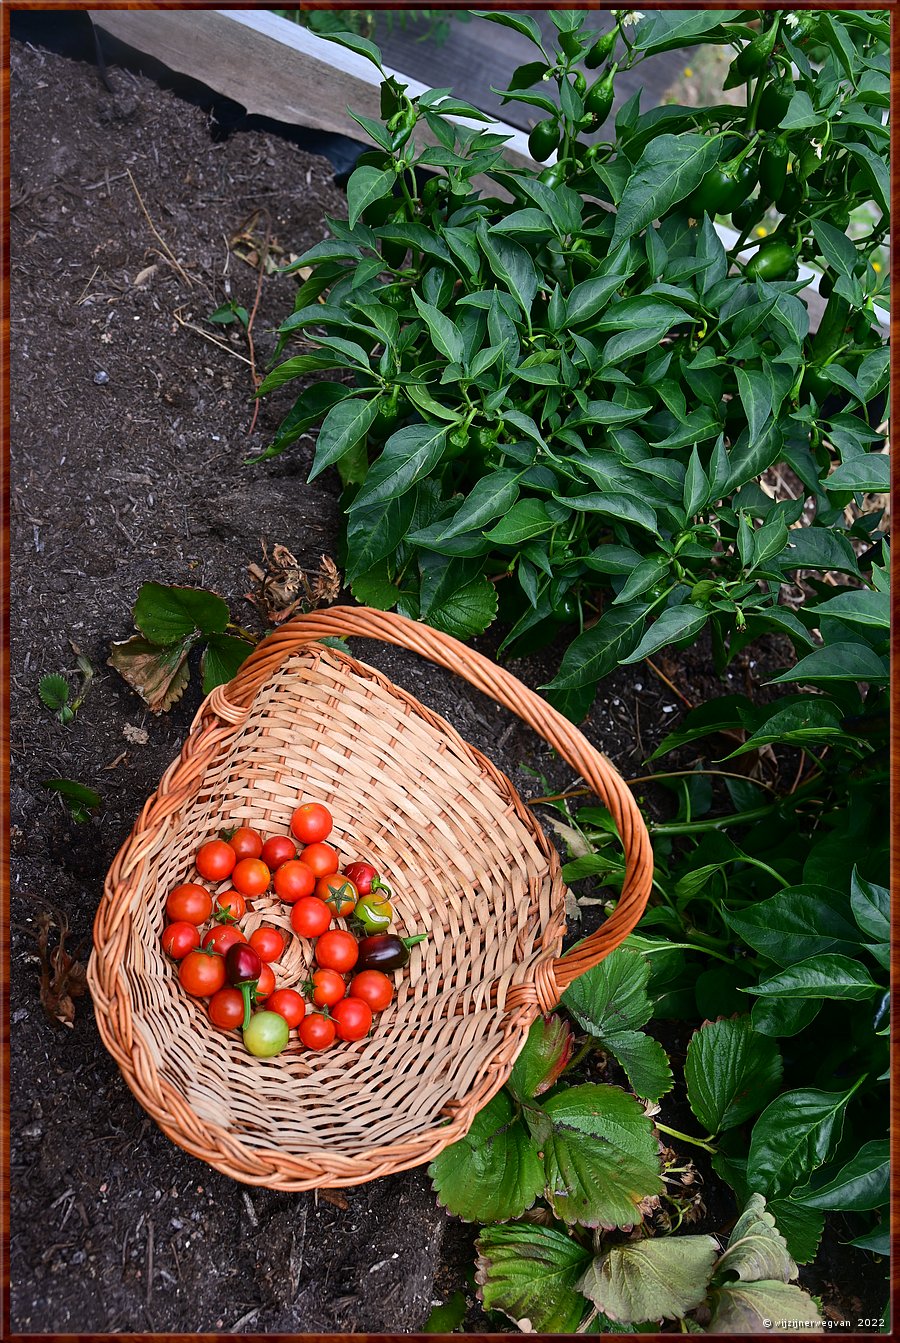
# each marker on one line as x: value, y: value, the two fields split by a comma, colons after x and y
x: 353, y: 1018
x: 293, y: 881
x: 321, y: 859
x: 223, y: 936
x: 326, y: 988
x: 231, y: 903
x: 337, y: 950
x: 277, y: 850
x: 180, y: 938
x: 268, y: 943
x: 339, y: 894
x: 246, y: 842
x: 310, y: 917
x: 316, y: 1031
x: 373, y: 988
x: 226, y: 1009
x: 288, y: 1004
x: 215, y: 860
x: 201, y: 973
x: 265, y: 984
x: 189, y: 903
x: 251, y: 877
x: 311, y: 822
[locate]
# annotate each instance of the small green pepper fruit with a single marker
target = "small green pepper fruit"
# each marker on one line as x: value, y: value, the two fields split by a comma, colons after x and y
x: 565, y: 608
x: 752, y: 58
x: 599, y: 97
x: 748, y: 214
x: 551, y: 176
x: 722, y: 190
x: 544, y: 139
x: 601, y: 49
x: 773, y: 168
x: 773, y: 104
x: 580, y: 84
x: 791, y: 196
x: 826, y: 284
x: 775, y: 260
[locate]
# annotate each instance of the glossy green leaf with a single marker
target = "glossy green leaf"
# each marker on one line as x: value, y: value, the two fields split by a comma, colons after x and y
x: 797, y: 923
x: 526, y: 519
x: 824, y: 976
x: 345, y: 425
x: 593, y: 654
x: 871, y: 905
x: 167, y: 615
x: 841, y: 661
x: 862, y: 1185
x: 731, y: 1072
x: 222, y: 657
x: 366, y: 185
x: 793, y: 1136
x: 408, y: 455
x: 871, y: 472
x: 668, y: 170
x: 676, y: 622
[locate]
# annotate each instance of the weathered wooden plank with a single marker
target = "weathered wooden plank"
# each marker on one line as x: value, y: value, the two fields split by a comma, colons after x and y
x: 270, y: 66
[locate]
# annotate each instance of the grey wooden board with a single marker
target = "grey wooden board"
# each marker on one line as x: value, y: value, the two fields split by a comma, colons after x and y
x: 477, y: 54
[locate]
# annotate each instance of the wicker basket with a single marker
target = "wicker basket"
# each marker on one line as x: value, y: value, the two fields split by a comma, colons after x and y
x: 469, y: 866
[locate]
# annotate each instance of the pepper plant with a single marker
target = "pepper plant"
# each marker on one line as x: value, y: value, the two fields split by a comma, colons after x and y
x: 567, y: 380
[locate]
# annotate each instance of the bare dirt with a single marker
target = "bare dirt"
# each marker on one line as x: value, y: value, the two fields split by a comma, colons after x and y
x: 129, y: 433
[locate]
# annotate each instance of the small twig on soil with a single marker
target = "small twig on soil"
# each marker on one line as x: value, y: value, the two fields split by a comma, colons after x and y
x: 674, y: 688
x: 149, y: 1262
x: 263, y: 256
x: 206, y: 336
x: 158, y: 236
x: 86, y: 287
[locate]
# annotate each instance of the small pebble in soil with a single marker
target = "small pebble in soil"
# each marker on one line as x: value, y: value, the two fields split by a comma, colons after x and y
x: 101, y: 377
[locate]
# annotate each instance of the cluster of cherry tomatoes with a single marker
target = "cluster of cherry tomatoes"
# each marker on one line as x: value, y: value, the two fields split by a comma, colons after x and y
x: 234, y: 972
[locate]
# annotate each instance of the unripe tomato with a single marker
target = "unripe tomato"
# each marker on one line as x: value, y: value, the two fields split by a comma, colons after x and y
x: 353, y: 1018
x: 311, y: 822
x: 189, y: 903
x: 310, y: 917
x: 317, y: 1032
x: 215, y: 860
x: 179, y: 939
x: 337, y: 950
x: 246, y: 842
x: 251, y: 877
x: 321, y: 859
x: 266, y: 1034
x: 278, y: 850
x: 288, y: 1004
x: 293, y: 881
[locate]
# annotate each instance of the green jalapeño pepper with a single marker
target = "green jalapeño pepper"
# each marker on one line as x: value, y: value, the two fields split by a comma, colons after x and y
x: 773, y: 104
x: 601, y: 49
x: 544, y: 138
x: 792, y: 195
x: 773, y: 169
x: 748, y: 214
x: 753, y: 57
x: 775, y: 260
x: 599, y: 98
x: 722, y: 190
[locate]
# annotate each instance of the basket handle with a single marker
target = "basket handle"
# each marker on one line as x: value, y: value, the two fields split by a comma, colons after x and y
x: 233, y: 700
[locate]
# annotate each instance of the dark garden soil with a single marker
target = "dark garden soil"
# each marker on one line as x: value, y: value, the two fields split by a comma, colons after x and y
x: 129, y: 430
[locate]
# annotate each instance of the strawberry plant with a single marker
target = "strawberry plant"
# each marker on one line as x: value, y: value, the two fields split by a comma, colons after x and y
x: 568, y: 380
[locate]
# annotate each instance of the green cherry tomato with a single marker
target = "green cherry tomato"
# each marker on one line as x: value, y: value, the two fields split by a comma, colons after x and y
x: 374, y: 913
x: 543, y: 139
x: 774, y: 260
x: 266, y: 1034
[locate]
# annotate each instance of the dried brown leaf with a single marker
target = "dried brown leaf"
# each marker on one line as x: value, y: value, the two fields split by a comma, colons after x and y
x: 159, y: 675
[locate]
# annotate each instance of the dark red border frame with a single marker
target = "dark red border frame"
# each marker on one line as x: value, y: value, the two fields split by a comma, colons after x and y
x: 6, y: 6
